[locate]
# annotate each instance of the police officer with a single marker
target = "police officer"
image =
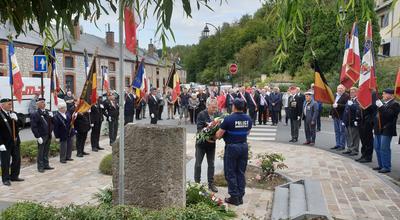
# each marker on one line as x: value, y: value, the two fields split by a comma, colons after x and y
x: 385, y: 129
x: 208, y: 147
x: 9, y: 143
x: 41, y: 126
x: 96, y: 119
x: 234, y: 129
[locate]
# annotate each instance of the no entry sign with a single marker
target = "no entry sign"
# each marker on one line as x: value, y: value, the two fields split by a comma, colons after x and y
x: 233, y: 68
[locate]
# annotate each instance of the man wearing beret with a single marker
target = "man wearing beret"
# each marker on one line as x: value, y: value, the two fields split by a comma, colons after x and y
x: 41, y: 125
x: 9, y: 143
x: 385, y: 129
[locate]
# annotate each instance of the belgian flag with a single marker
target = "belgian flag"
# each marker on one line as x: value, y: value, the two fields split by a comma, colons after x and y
x: 322, y: 92
x: 174, y: 83
x: 89, y: 91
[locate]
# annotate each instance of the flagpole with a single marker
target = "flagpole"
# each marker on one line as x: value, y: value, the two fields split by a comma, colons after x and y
x: 11, y: 85
x: 121, y: 182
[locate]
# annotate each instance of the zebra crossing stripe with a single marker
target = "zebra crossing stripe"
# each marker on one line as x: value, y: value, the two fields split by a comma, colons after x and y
x: 262, y: 134
x: 261, y: 138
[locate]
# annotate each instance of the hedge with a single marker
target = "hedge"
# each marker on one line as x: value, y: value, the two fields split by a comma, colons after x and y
x: 29, y: 149
x: 106, y: 165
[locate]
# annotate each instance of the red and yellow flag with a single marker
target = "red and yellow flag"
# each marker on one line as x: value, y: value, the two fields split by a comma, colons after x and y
x: 322, y: 91
x: 89, y: 92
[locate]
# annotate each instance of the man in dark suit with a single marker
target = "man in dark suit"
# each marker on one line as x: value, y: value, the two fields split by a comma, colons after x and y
x: 252, y: 104
x: 112, y: 113
x: 365, y: 127
x: 96, y: 119
x: 63, y: 131
x: 385, y: 129
x: 229, y: 100
x: 129, y: 107
x: 341, y: 98
x: 295, y: 105
x: 275, y: 105
x: 310, y: 114
x: 153, y: 106
x: 82, y: 127
x: 41, y: 126
x: 351, y: 121
x: 263, y: 107
x: 9, y: 143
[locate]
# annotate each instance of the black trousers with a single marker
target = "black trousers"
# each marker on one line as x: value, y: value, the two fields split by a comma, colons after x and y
x: 207, y: 149
x: 128, y: 118
x: 193, y: 115
x: 43, y: 153
x: 262, y: 114
x: 6, y: 156
x: 80, y: 142
x: 95, y: 135
x: 367, y: 140
x: 112, y: 130
x: 253, y: 115
x: 138, y: 113
x: 65, y: 149
x: 275, y: 117
x: 153, y: 120
x: 160, y: 111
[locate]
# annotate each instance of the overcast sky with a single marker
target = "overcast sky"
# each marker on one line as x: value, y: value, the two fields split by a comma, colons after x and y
x: 186, y: 30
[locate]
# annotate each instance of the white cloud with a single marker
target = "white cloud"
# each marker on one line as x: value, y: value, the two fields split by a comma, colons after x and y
x: 186, y: 30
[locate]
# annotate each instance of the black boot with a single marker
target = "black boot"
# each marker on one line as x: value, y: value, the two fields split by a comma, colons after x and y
x: 212, y: 188
x: 232, y: 200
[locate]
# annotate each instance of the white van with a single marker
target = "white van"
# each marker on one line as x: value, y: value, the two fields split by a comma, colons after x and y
x: 31, y: 85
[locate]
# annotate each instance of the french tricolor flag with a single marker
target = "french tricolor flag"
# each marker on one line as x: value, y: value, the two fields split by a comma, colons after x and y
x: 15, y: 73
x: 353, y: 56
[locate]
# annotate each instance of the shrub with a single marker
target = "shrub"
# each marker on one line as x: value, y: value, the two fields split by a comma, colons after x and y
x: 104, y: 196
x: 29, y: 210
x: 106, y: 165
x: 29, y: 149
x: 269, y: 163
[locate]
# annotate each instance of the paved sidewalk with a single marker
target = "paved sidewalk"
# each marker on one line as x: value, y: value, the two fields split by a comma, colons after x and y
x: 351, y: 190
x: 74, y: 182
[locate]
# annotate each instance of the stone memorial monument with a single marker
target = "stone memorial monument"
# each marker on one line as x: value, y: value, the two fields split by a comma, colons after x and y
x: 154, y: 166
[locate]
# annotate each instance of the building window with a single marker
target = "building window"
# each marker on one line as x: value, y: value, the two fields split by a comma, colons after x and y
x: 112, y: 82
x: 127, y: 81
x: 111, y: 66
x: 69, y: 62
x: 157, y: 83
x: 163, y: 81
x: 2, y: 58
x: 384, y: 20
x: 158, y: 71
x: 386, y: 49
x: 70, y: 83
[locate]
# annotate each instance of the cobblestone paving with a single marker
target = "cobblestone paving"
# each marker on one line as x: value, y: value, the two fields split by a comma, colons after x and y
x: 351, y: 190
x: 74, y: 182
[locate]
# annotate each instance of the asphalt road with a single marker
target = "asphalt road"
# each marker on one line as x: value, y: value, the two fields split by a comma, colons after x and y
x: 326, y: 139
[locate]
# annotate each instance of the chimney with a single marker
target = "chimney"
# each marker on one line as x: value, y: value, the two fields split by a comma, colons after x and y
x: 109, y: 37
x: 77, y: 31
x: 151, y: 49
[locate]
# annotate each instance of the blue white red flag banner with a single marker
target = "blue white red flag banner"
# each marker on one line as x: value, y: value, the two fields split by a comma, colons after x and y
x: 14, y: 73
x: 367, y: 78
x: 353, y: 56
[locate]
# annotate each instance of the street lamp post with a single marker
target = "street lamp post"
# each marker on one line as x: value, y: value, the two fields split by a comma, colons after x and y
x: 206, y: 31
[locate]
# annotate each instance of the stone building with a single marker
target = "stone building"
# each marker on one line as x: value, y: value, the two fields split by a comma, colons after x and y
x: 71, y: 62
x: 389, y: 18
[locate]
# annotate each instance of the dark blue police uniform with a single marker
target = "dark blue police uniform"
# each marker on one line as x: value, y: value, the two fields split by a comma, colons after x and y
x: 237, y: 127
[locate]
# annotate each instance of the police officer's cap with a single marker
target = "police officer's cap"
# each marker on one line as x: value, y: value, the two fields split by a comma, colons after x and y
x: 40, y: 99
x: 389, y: 91
x: 4, y: 100
x: 239, y: 103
